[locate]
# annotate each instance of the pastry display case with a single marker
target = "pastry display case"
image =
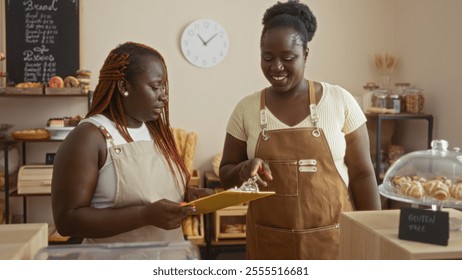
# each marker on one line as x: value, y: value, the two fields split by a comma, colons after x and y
x: 429, y: 177
x: 181, y: 250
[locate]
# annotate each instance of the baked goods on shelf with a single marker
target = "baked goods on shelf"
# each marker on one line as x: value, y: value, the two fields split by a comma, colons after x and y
x: 71, y: 81
x: 64, y: 121
x: 84, y: 78
x: 56, y: 82
x: 29, y: 85
x: 233, y: 228
x: 31, y: 134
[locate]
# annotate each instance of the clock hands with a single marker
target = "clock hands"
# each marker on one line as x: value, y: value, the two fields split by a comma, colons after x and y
x: 202, y: 40
x: 206, y: 42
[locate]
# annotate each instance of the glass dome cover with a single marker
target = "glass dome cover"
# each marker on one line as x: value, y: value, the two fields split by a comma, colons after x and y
x: 428, y: 177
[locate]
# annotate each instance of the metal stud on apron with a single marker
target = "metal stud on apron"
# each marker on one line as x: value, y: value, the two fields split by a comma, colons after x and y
x: 301, y: 220
x: 142, y: 178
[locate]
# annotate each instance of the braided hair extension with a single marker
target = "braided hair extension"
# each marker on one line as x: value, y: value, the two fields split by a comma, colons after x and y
x: 291, y: 14
x: 123, y: 63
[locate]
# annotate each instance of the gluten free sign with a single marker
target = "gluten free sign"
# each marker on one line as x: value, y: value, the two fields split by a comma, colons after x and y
x: 422, y: 225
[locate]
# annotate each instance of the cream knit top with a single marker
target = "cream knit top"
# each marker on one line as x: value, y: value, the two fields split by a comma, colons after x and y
x: 338, y: 112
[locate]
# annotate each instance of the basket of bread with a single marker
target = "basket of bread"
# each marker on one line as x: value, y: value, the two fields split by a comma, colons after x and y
x: 430, y: 177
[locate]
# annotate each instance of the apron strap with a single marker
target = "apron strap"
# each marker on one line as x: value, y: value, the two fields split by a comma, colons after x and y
x: 109, y: 138
x: 313, y: 112
x: 263, y: 119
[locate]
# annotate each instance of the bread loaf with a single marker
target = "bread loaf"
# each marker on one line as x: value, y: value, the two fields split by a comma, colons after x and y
x: 189, y: 150
x: 187, y: 226
x: 180, y: 140
x: 31, y: 134
x: 195, y: 225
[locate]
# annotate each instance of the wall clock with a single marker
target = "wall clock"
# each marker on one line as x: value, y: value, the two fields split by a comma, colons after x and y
x: 204, y: 43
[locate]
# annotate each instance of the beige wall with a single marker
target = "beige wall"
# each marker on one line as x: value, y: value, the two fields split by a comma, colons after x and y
x: 423, y: 33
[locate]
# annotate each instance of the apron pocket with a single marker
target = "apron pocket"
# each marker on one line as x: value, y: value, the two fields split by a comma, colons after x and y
x: 285, y: 177
x: 285, y: 244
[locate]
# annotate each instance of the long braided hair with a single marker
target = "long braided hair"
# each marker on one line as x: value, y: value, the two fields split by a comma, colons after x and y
x: 123, y: 63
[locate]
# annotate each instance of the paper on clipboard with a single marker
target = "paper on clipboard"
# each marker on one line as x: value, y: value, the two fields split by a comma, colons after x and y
x: 225, y: 199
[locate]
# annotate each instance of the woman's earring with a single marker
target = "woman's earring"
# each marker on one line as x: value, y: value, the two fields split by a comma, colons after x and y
x: 125, y: 94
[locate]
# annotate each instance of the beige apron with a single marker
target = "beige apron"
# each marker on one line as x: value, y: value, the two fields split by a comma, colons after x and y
x: 301, y: 220
x: 143, y: 177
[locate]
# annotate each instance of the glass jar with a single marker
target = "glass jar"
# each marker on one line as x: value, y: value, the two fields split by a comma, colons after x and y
x: 401, y: 87
x: 394, y: 102
x: 367, y: 96
x: 414, y: 100
x: 379, y: 98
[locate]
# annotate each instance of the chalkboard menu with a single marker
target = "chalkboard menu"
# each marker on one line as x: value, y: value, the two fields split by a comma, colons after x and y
x: 42, y: 39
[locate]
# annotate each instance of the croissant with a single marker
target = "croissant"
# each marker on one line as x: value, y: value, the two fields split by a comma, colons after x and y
x: 399, y: 180
x: 420, y: 179
x: 437, y: 189
x: 412, y: 189
x: 444, y: 180
x: 456, y: 191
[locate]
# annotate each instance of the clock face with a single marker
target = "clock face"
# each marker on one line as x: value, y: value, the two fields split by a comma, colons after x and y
x: 204, y: 43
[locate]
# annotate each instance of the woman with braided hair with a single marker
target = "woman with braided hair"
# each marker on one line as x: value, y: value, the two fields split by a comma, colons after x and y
x: 117, y: 176
x: 305, y: 140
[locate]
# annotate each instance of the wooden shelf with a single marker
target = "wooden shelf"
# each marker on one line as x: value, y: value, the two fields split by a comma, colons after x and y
x: 378, y: 120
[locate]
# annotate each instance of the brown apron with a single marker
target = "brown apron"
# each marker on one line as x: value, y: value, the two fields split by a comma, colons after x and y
x: 143, y: 177
x: 301, y: 220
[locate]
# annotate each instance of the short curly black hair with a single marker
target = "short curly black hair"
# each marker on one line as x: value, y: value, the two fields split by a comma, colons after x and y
x: 291, y: 14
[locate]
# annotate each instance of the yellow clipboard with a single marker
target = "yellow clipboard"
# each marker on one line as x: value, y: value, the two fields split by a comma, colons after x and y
x: 225, y: 199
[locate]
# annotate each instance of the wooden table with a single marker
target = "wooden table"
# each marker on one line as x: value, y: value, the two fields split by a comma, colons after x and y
x: 22, y: 241
x: 374, y: 235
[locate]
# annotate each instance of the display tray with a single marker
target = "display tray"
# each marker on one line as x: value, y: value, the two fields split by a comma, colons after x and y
x: 391, y: 192
x: 65, y: 91
x: 59, y: 133
x: 31, y: 90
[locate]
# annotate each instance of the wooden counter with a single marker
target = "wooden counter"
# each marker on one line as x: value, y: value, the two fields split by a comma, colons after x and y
x: 22, y: 241
x: 374, y: 235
